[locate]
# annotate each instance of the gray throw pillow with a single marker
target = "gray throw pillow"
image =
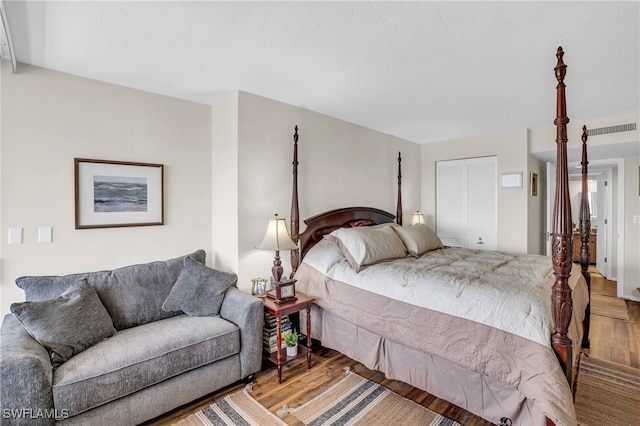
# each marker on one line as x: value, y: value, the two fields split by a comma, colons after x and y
x: 66, y: 325
x: 199, y: 290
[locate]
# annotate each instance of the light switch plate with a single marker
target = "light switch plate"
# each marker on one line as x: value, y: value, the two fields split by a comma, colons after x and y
x: 15, y: 235
x: 44, y: 234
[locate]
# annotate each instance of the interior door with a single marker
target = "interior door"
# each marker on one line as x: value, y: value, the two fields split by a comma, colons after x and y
x: 482, y: 199
x: 450, y: 202
x: 466, y: 202
x: 603, y: 223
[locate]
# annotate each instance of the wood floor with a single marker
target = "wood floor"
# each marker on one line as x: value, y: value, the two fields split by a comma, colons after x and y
x: 611, y: 339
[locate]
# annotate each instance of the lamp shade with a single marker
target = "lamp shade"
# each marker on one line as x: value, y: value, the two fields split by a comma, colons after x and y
x: 277, y: 237
x: 417, y: 218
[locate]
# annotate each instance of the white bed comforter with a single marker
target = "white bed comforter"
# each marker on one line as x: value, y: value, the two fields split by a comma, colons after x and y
x: 510, y: 292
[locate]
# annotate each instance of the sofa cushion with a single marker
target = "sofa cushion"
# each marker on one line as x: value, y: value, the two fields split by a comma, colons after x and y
x: 66, y: 325
x: 199, y: 290
x: 139, y: 357
x: 133, y: 295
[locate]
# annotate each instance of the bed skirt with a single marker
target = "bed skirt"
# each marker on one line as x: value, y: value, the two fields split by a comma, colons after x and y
x: 479, y: 394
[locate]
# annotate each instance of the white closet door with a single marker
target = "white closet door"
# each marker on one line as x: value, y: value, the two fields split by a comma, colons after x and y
x: 450, y: 203
x: 466, y: 210
x: 481, y: 191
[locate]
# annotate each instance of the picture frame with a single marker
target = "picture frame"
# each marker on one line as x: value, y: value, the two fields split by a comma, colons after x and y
x: 118, y: 193
x: 533, y: 184
x: 259, y: 287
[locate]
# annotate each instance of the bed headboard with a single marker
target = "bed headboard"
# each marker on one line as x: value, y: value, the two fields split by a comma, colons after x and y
x: 320, y: 225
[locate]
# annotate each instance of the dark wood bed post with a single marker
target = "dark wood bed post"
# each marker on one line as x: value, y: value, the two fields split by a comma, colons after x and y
x: 399, y: 205
x: 295, y: 210
x: 585, y: 234
x: 562, y: 238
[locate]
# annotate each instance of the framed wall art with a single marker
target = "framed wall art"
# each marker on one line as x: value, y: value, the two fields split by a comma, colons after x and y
x: 118, y: 193
x: 533, y: 184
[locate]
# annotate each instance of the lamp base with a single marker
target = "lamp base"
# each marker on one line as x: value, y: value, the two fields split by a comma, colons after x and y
x: 277, y: 269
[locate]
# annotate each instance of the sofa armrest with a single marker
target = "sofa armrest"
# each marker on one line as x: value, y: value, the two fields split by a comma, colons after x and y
x: 26, y: 374
x: 246, y: 312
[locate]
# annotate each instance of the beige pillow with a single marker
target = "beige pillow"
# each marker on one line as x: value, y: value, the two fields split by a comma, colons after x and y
x: 418, y: 239
x: 368, y: 245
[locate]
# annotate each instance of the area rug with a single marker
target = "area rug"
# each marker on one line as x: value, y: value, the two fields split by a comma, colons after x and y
x: 236, y: 409
x: 608, y: 306
x: 359, y: 401
x: 354, y: 400
x: 607, y: 393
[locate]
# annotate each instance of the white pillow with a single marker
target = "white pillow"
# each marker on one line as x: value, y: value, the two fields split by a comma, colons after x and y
x: 365, y: 246
x: 418, y: 239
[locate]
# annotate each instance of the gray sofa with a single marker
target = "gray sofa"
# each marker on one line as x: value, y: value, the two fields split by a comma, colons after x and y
x: 143, y: 357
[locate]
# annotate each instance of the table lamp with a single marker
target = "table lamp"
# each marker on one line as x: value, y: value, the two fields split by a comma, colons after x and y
x: 277, y: 238
x: 417, y: 218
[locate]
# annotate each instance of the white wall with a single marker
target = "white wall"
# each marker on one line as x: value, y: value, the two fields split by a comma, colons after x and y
x: 48, y: 118
x: 543, y: 139
x: 536, y: 205
x: 340, y: 164
x: 224, y: 203
x: 511, y: 150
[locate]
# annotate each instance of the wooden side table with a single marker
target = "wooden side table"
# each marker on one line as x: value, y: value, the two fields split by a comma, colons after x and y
x: 279, y: 358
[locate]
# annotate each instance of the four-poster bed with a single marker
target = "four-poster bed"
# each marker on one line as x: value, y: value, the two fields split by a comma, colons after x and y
x: 492, y: 360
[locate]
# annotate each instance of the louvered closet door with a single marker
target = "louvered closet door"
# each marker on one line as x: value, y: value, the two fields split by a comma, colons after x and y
x: 466, y: 213
x: 450, y: 203
x: 482, y: 229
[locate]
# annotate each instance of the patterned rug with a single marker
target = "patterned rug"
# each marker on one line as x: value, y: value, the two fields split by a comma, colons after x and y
x: 236, y: 409
x: 359, y: 401
x: 608, y: 306
x: 607, y: 393
x: 352, y: 401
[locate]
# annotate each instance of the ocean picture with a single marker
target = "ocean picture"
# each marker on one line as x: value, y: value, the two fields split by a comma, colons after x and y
x: 119, y: 194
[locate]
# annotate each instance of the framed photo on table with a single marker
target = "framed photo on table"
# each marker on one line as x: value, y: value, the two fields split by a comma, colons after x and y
x: 118, y: 193
x: 259, y: 287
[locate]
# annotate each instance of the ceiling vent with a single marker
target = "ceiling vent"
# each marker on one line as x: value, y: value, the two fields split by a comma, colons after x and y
x: 611, y: 129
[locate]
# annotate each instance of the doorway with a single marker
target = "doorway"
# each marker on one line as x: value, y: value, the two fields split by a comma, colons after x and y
x: 608, y: 201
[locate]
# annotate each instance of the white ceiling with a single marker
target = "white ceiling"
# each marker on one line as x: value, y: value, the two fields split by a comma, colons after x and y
x: 422, y: 71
